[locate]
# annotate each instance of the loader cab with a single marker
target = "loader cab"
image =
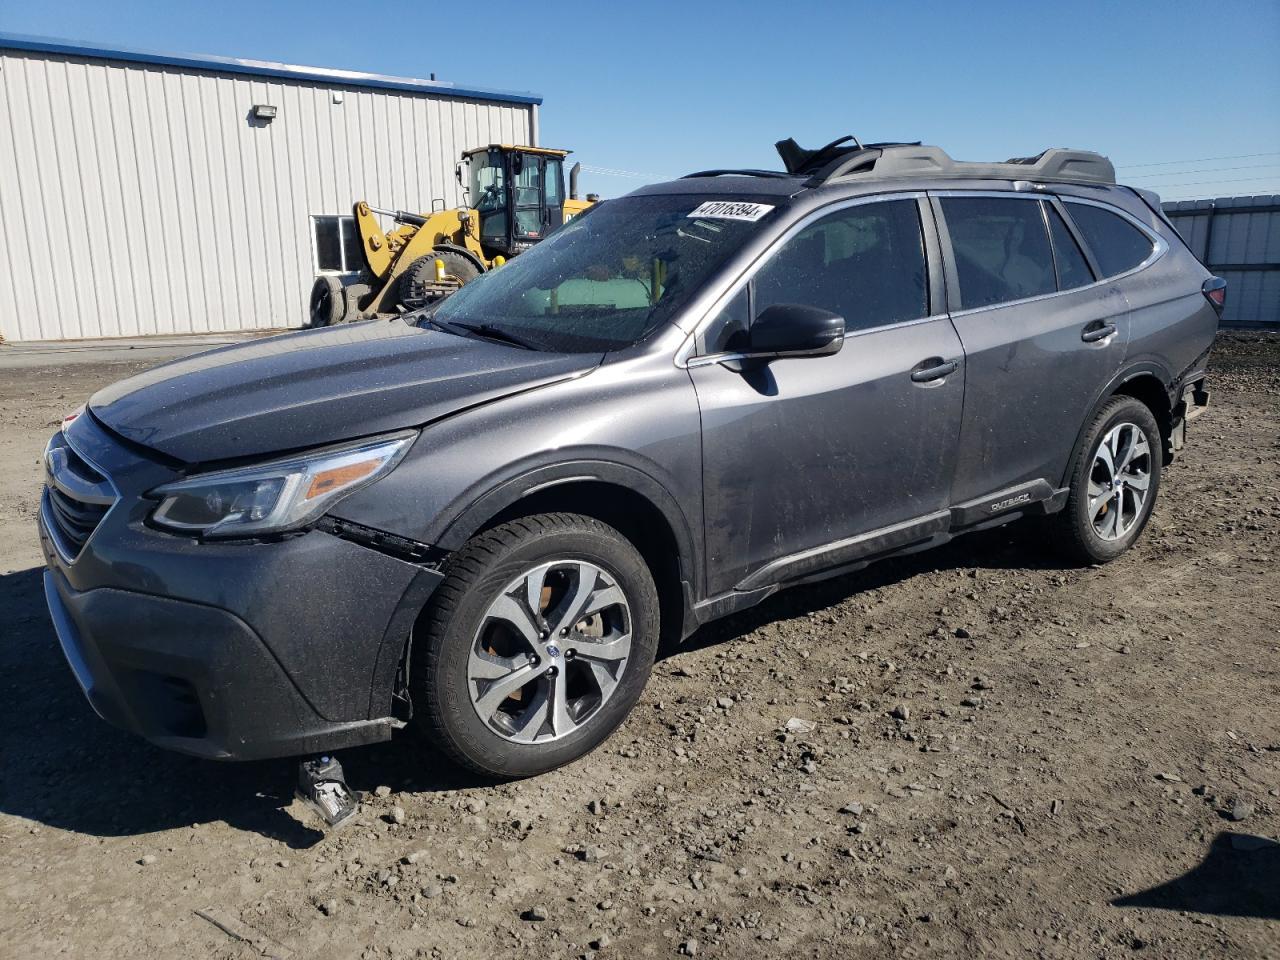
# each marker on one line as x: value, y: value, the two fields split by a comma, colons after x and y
x: 518, y: 193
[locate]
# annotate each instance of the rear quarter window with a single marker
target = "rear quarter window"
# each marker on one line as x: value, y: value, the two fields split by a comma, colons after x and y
x: 1116, y: 244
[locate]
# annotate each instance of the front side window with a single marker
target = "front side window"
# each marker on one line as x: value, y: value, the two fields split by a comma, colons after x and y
x: 1116, y: 244
x: 865, y: 263
x: 607, y: 280
x: 1001, y: 249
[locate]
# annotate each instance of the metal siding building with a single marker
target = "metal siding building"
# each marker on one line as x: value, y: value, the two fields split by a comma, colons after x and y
x: 139, y: 195
x: 1238, y: 238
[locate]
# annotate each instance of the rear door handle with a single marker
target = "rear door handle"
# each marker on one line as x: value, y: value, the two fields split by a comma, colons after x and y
x: 1092, y: 334
x: 937, y: 369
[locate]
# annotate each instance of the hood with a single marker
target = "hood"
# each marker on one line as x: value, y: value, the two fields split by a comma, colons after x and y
x: 317, y: 387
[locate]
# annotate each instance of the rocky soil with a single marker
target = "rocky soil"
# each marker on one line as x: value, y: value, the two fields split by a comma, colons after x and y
x: 969, y: 752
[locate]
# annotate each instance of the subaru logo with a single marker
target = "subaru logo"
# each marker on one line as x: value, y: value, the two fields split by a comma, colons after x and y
x: 553, y: 651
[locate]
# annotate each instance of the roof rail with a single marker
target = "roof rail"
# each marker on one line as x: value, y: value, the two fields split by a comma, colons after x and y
x: 916, y: 160
x: 848, y: 158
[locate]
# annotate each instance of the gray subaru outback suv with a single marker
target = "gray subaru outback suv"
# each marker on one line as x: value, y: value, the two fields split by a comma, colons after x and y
x: 480, y: 519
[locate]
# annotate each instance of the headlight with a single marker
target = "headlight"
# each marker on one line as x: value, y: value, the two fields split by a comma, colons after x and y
x: 278, y: 496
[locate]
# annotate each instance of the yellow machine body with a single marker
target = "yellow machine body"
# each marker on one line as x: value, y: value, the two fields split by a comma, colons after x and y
x: 429, y: 255
x: 389, y: 254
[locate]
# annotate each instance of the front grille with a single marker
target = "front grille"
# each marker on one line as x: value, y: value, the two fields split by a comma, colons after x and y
x: 77, y: 496
x: 75, y: 519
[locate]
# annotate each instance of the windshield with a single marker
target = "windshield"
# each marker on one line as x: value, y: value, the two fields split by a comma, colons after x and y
x: 609, y: 277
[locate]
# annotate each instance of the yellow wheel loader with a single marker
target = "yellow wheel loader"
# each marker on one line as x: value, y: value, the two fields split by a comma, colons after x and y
x: 516, y: 197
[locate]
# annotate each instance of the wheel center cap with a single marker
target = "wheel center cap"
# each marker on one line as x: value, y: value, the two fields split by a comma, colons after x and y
x: 553, y: 651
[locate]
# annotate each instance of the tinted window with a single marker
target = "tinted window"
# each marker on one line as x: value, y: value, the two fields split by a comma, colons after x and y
x: 1073, y: 269
x: 865, y: 263
x: 1001, y: 249
x: 1116, y: 244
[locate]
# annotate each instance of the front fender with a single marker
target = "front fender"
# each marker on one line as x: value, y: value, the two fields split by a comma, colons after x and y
x: 635, y: 425
x: 460, y: 524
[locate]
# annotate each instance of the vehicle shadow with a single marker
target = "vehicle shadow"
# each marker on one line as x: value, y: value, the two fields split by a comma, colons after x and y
x: 1239, y: 877
x: 64, y: 767
x: 1014, y: 547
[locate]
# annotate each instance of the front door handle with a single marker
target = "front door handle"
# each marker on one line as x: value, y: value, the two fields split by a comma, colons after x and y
x: 935, y: 368
x: 1093, y: 333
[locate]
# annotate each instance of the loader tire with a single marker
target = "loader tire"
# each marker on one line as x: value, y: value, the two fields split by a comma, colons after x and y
x: 327, y: 304
x: 423, y: 271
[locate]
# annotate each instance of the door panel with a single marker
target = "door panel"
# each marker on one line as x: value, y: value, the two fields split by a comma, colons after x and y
x: 1033, y: 366
x: 807, y: 451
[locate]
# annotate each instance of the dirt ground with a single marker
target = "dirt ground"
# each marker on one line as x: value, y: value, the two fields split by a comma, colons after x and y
x: 1006, y: 758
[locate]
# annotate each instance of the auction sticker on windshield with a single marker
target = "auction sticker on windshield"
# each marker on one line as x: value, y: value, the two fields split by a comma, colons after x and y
x: 731, y: 210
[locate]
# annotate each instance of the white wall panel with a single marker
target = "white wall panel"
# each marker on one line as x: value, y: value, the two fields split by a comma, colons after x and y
x: 139, y: 198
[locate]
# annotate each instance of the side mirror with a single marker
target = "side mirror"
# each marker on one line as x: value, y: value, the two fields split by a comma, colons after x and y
x: 795, y: 330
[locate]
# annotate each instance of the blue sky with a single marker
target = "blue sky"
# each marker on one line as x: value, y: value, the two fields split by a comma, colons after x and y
x: 1185, y: 97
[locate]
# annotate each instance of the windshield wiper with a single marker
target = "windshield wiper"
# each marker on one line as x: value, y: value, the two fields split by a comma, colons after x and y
x: 490, y: 332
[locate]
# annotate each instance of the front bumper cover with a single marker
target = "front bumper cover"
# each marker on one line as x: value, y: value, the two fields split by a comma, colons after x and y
x: 233, y: 650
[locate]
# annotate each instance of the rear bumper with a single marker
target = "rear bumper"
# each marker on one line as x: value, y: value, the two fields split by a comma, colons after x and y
x: 188, y: 677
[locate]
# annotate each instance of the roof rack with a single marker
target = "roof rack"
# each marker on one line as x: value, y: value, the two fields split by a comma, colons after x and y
x: 847, y: 158
x: 836, y: 161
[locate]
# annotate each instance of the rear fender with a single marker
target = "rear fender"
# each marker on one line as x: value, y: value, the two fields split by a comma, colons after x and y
x: 1129, y: 374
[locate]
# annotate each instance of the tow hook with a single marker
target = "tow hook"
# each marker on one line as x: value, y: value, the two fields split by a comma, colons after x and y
x: 322, y: 787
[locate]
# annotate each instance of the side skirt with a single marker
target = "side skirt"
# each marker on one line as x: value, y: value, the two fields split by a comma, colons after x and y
x: 1036, y: 498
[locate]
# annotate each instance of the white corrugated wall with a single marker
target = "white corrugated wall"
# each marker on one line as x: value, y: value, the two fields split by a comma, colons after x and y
x: 138, y: 199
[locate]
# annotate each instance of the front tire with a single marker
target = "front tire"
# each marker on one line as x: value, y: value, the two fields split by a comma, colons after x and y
x: 1114, y: 483
x: 536, y: 646
x: 420, y: 274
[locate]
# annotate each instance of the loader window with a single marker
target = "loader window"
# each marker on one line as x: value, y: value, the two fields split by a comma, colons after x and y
x: 553, y: 177
x: 489, y: 195
x: 527, y: 170
x: 609, y: 279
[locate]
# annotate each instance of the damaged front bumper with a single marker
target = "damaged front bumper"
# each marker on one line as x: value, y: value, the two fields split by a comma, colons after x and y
x: 228, y: 650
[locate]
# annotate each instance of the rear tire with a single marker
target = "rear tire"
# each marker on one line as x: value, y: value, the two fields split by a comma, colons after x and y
x: 1115, y: 480
x: 327, y: 303
x: 508, y: 690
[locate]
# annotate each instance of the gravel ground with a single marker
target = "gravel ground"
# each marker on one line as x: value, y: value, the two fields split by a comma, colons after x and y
x: 968, y: 752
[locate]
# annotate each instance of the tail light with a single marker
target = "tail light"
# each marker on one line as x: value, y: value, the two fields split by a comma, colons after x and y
x: 1215, y: 291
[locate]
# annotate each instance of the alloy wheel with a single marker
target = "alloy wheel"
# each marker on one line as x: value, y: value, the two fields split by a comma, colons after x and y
x: 549, y: 651
x: 1119, y: 481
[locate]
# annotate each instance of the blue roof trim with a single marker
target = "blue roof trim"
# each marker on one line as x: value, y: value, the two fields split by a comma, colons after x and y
x: 262, y: 68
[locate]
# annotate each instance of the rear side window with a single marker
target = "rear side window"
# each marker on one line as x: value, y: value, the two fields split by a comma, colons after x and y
x: 1117, y: 245
x: 1001, y: 249
x: 865, y: 263
x: 1073, y: 269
